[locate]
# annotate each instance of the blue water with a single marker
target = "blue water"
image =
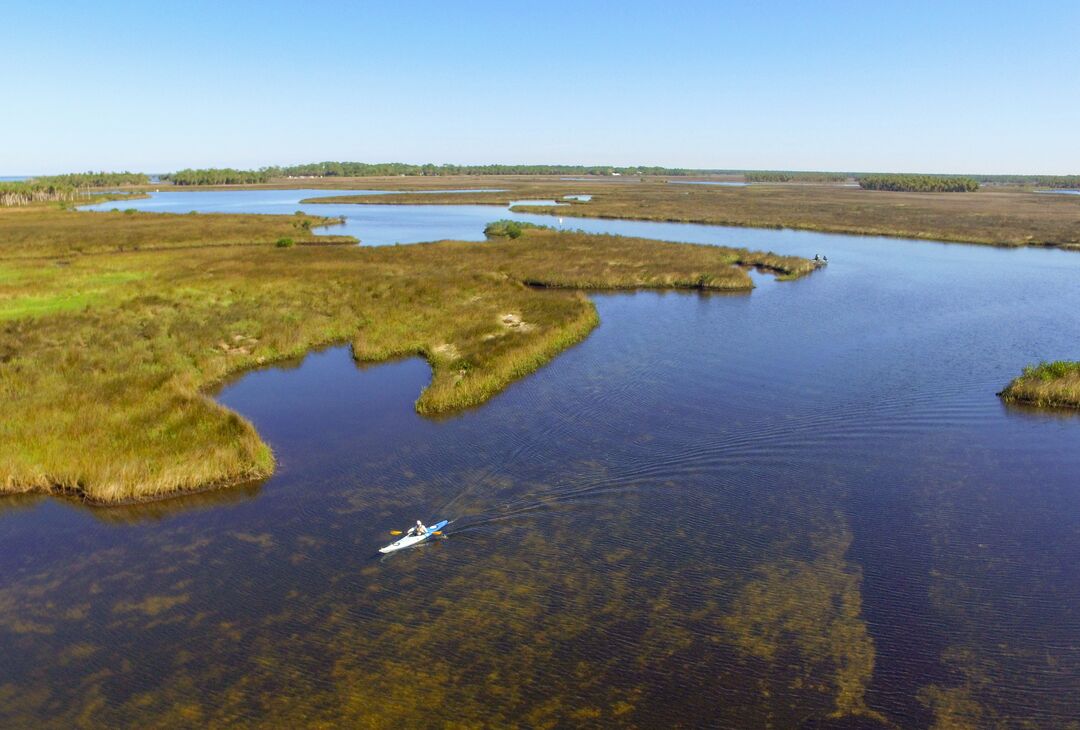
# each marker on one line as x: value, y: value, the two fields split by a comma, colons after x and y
x: 374, y: 225
x: 382, y: 225
x: 656, y: 527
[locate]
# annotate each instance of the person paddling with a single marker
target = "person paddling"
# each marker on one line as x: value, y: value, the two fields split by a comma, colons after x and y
x: 419, y: 529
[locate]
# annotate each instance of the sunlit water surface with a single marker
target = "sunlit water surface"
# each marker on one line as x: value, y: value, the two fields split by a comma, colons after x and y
x: 717, y: 511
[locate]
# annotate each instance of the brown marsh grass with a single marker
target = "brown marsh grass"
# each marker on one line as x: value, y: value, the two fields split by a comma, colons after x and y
x: 996, y: 218
x: 1054, y: 384
x: 106, y: 353
x: 39, y: 231
x: 999, y: 217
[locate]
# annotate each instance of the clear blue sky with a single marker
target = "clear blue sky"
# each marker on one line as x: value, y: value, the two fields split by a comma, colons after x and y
x: 900, y: 86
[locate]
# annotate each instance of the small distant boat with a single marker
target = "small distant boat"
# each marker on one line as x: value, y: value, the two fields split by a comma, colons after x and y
x: 410, y: 540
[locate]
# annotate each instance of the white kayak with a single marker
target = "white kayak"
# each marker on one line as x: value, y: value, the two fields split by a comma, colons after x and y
x: 410, y: 540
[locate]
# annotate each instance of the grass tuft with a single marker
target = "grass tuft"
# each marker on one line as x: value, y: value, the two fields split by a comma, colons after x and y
x: 1055, y: 384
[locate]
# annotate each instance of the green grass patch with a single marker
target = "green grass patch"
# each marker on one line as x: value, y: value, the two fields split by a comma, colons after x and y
x: 36, y: 306
x: 106, y: 355
x: 46, y: 290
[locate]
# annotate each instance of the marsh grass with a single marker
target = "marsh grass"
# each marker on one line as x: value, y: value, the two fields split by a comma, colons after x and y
x: 1055, y: 384
x: 106, y: 353
x: 406, y: 198
x: 40, y: 232
x: 995, y: 217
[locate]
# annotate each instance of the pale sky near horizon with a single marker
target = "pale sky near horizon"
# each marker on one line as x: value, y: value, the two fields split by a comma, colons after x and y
x: 978, y: 87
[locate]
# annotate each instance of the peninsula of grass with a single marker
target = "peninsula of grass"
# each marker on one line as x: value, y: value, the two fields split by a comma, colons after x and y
x: 43, y: 231
x: 990, y: 216
x: 987, y: 217
x: 114, y: 326
x: 1053, y: 384
x: 421, y: 198
x: 491, y: 192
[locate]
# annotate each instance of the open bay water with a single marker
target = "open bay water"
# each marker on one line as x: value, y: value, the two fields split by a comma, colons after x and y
x: 802, y: 506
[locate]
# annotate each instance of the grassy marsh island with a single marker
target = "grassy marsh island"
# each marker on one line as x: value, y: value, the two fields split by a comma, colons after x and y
x: 992, y: 216
x: 1054, y: 384
x: 113, y: 326
x: 501, y: 198
x: 998, y: 218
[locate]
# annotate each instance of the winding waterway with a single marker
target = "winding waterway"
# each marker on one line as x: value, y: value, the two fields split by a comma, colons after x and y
x: 717, y: 511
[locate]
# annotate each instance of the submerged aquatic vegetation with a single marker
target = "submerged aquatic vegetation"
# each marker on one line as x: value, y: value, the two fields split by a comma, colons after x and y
x: 112, y: 326
x: 567, y: 622
x: 813, y: 607
x: 1054, y: 383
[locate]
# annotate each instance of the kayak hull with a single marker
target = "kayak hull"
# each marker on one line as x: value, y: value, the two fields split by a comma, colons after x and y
x: 410, y: 540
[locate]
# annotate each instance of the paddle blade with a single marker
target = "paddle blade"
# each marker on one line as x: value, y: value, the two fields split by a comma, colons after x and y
x: 438, y: 532
x: 395, y: 532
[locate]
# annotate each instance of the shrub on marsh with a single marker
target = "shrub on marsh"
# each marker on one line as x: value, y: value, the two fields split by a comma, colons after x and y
x: 508, y: 228
x: 919, y: 183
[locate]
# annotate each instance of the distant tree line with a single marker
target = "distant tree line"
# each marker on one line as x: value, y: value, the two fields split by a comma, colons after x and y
x: 767, y: 176
x: 1061, y: 182
x: 229, y: 176
x: 369, y: 169
x: 871, y: 181
x: 919, y: 183
x: 1056, y: 182
x: 94, y: 179
x: 25, y: 193
x: 220, y: 176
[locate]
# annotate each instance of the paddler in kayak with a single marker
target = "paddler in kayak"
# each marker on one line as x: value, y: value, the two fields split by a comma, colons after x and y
x: 417, y: 529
